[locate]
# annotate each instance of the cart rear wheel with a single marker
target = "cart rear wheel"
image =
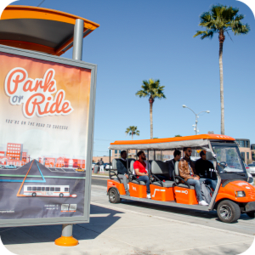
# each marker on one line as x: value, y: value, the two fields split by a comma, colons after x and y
x: 228, y: 211
x: 114, y: 196
x: 251, y: 214
x: 33, y: 194
x: 61, y: 195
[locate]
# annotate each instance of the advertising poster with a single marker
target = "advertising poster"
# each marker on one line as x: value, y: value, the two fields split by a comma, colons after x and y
x: 44, y: 109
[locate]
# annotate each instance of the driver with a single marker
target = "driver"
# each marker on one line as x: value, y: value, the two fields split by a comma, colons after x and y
x: 122, y: 170
x: 203, y: 167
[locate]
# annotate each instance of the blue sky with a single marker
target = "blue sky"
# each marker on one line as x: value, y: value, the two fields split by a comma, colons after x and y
x: 139, y: 40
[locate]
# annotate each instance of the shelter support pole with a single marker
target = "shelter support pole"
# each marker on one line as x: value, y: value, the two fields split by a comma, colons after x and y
x: 67, y: 238
x: 78, y: 39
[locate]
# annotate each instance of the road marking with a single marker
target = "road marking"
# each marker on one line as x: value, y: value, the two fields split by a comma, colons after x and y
x: 35, y: 176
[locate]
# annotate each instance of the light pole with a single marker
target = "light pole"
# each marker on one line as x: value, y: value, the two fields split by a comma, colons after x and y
x: 197, y: 116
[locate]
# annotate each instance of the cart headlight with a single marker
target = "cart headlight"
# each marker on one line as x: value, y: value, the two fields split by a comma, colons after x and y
x: 240, y: 193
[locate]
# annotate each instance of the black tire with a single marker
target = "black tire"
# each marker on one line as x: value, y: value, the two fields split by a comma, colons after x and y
x: 61, y: 195
x: 251, y: 214
x: 33, y: 194
x: 114, y: 196
x: 228, y: 211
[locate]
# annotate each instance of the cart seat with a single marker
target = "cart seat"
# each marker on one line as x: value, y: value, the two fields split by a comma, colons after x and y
x: 114, y: 164
x: 159, y: 167
x: 182, y: 185
x: 166, y: 184
x: 132, y: 166
x: 136, y: 182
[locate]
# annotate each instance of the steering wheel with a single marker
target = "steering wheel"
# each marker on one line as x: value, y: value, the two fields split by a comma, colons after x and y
x: 223, y: 163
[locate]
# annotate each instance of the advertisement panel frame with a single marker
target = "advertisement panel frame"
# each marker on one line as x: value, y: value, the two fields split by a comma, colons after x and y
x: 88, y: 143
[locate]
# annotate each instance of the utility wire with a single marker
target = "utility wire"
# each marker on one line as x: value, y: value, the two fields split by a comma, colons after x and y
x: 40, y: 3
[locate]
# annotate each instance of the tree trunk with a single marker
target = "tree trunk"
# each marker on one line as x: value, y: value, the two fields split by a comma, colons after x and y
x: 132, y: 136
x: 151, y: 101
x: 151, y: 121
x: 221, y: 40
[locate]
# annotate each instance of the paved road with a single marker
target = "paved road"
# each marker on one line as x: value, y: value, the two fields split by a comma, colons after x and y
x: 244, y: 225
x: 101, y: 181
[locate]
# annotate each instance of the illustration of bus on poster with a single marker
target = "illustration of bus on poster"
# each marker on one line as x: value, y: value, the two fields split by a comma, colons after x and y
x: 44, y: 113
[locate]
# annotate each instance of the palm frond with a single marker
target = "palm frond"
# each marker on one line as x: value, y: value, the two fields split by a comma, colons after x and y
x: 205, y: 34
x: 151, y: 88
x: 132, y: 130
x: 221, y: 18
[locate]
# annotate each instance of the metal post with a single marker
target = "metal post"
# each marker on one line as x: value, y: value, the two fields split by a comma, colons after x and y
x: 196, y: 125
x: 67, y: 238
x: 67, y: 229
x: 78, y: 39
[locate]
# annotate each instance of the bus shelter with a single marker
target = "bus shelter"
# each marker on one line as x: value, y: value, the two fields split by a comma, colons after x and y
x: 47, y: 106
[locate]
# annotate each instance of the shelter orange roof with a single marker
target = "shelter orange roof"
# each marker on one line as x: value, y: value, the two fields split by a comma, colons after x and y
x: 40, y: 29
x: 175, y: 139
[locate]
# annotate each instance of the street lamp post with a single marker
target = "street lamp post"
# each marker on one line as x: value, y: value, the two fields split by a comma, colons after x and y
x: 197, y: 115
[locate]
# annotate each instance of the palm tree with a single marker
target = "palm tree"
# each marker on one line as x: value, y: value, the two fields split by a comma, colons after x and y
x: 132, y: 130
x: 153, y: 90
x: 219, y: 20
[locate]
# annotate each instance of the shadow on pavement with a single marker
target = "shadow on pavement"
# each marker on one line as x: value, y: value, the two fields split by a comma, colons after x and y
x: 101, y: 219
x: 167, y: 208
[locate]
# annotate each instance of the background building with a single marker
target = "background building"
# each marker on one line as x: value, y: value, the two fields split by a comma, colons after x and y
x: 245, y: 149
x: 14, y: 151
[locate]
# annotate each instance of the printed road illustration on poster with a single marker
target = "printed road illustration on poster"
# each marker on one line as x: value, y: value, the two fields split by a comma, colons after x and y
x: 43, y: 126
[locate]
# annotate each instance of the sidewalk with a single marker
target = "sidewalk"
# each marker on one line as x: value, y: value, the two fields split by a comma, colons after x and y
x: 121, y: 231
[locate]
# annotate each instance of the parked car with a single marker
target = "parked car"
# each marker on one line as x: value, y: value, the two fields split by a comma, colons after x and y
x: 107, y: 166
x: 251, y: 169
x: 10, y: 166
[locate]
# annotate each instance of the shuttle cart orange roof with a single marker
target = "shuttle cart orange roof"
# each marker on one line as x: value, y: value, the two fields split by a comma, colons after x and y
x: 167, y: 143
x: 40, y: 29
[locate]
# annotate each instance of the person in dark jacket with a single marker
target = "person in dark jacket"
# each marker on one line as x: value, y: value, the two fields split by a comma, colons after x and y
x: 204, y: 170
x: 122, y: 170
x: 101, y: 162
x: 171, y: 163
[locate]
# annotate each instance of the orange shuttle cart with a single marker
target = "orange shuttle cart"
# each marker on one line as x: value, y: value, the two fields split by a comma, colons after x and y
x: 233, y: 195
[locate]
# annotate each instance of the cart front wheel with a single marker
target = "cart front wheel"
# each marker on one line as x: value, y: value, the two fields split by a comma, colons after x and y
x: 33, y: 194
x: 114, y: 196
x: 228, y: 211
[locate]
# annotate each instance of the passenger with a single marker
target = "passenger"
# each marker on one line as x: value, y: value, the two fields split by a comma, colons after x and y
x: 186, y: 168
x: 141, y: 171
x: 171, y: 163
x: 202, y: 167
x: 122, y: 170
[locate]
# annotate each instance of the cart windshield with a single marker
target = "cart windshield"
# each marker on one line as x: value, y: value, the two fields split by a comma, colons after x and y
x: 228, y: 159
